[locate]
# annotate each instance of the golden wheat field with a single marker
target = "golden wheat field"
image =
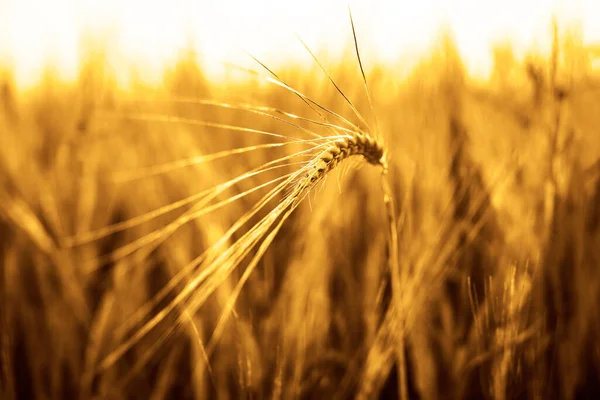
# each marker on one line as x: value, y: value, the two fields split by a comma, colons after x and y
x: 321, y: 232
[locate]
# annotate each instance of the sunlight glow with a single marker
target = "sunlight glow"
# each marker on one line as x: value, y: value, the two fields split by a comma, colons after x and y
x: 35, y: 33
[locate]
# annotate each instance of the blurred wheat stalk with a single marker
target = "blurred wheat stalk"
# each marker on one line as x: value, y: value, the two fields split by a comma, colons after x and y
x: 161, y: 245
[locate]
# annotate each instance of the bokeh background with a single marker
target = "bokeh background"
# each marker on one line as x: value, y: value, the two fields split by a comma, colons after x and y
x: 489, y: 113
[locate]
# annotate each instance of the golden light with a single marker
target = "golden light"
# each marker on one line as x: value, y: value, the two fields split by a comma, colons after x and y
x: 163, y: 235
x: 150, y: 33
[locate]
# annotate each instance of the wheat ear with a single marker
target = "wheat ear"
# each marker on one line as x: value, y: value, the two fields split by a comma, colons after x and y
x: 218, y: 263
x: 356, y: 144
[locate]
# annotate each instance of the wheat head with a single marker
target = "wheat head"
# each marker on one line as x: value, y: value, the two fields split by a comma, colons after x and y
x: 357, y: 144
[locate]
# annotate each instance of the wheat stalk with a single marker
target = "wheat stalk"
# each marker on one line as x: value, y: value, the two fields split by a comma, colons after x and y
x: 218, y: 263
x: 215, y: 265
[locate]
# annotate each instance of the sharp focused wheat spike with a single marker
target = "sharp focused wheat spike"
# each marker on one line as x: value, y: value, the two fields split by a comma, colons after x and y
x: 355, y: 145
x: 216, y: 267
x: 217, y: 264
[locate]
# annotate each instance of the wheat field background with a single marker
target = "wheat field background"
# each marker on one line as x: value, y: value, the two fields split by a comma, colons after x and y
x: 146, y: 251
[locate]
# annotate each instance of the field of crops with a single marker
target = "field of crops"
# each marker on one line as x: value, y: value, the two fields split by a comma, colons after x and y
x: 302, y: 234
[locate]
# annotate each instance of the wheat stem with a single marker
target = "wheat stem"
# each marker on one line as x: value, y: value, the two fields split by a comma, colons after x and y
x: 397, y: 281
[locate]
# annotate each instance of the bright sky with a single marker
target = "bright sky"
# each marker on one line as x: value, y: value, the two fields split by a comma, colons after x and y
x: 35, y: 32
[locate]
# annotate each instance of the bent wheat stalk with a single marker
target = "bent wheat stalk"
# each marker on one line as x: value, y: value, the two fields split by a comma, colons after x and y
x: 216, y: 264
